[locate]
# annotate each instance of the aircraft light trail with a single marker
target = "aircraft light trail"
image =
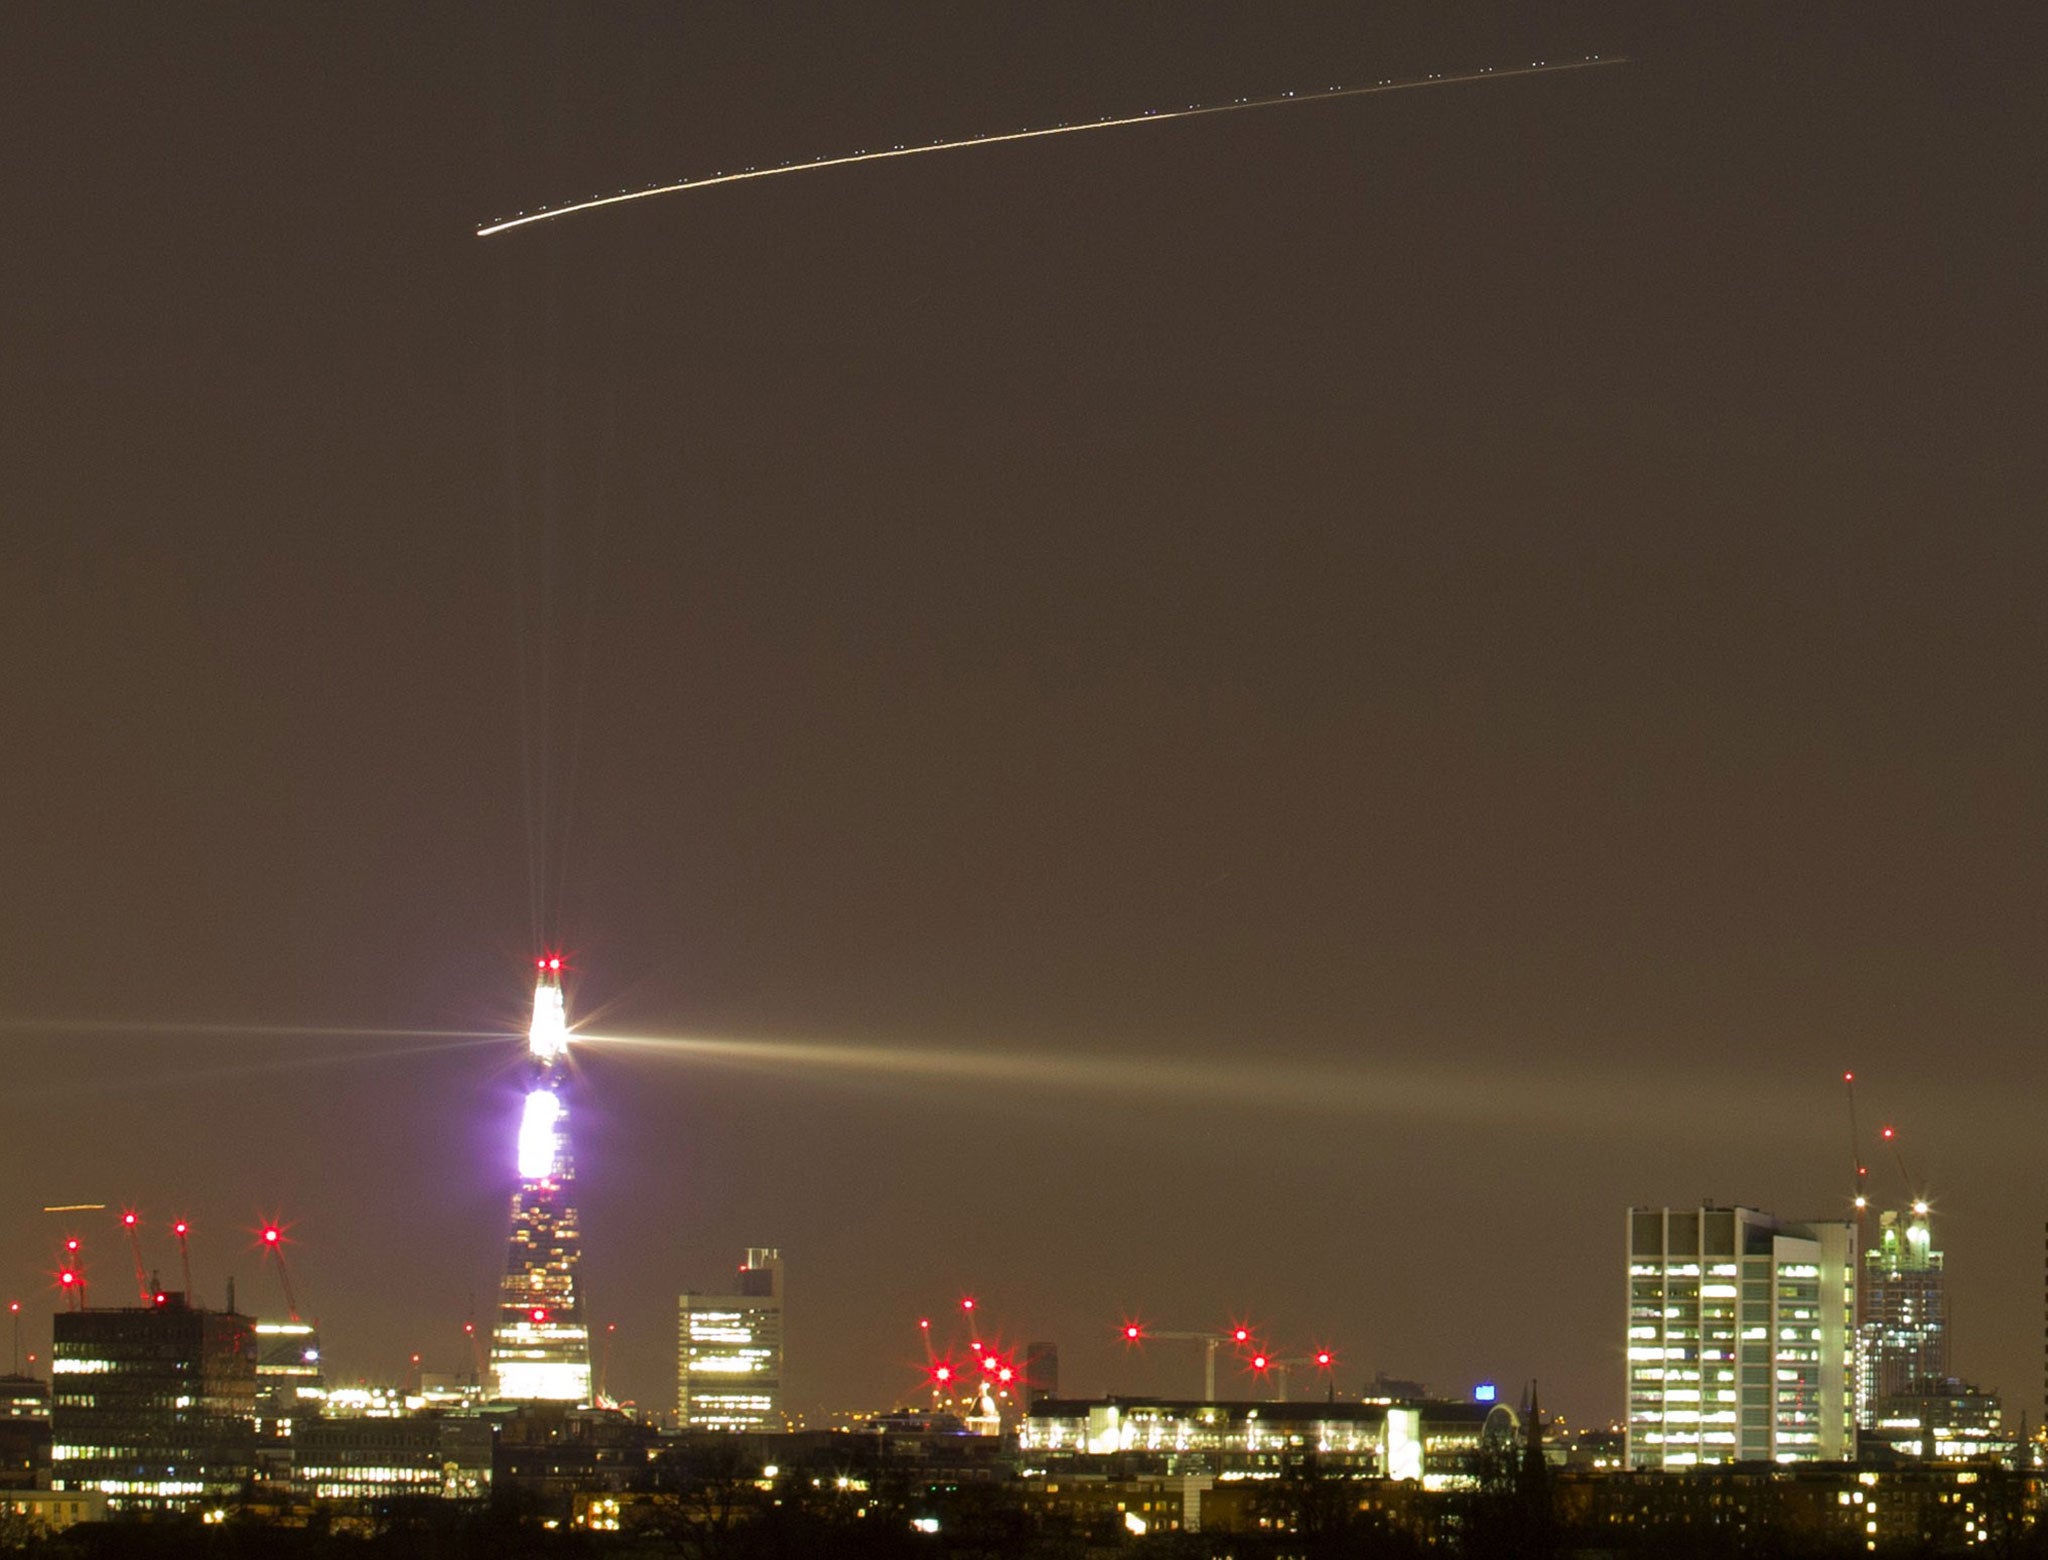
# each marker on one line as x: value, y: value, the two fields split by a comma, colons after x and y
x: 1149, y: 117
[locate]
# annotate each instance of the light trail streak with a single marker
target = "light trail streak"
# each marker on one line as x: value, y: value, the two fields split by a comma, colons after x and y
x: 1149, y: 117
x: 186, y: 1030
x: 1611, y: 1099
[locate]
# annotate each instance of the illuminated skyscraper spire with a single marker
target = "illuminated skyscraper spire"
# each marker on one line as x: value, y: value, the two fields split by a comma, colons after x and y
x: 540, y: 1347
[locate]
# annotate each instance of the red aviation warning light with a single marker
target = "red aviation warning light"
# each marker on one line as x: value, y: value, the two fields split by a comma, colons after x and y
x: 1133, y: 1333
x: 1325, y: 1358
x: 942, y: 1374
x: 272, y: 1234
x: 129, y: 1219
x: 540, y: 1314
x: 1240, y: 1335
x: 1260, y: 1362
x: 181, y: 1229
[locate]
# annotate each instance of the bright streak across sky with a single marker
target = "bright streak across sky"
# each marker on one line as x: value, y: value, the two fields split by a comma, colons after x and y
x: 1358, y: 1090
x: 1193, y: 111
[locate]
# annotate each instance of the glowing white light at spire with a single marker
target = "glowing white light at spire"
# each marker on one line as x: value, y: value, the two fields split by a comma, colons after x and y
x: 540, y: 1138
x: 548, y: 1040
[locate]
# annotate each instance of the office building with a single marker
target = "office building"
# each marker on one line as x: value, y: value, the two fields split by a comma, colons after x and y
x: 289, y: 1383
x: 1902, y: 1334
x: 729, y: 1351
x: 1741, y: 1338
x: 153, y: 1406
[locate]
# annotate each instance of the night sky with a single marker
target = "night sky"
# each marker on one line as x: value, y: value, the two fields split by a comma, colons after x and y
x: 1371, y: 682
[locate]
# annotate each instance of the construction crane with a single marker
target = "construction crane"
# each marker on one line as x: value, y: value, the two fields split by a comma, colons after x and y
x: 181, y: 1229
x: 1322, y: 1360
x: 272, y: 1236
x: 131, y: 1221
x: 1861, y: 1171
x: 1238, y: 1335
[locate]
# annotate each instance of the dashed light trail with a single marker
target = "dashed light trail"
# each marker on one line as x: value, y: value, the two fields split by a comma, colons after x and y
x: 1149, y: 117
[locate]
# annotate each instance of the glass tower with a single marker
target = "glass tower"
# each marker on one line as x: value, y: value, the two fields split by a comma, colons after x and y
x: 1741, y: 1338
x: 540, y: 1347
x: 729, y: 1351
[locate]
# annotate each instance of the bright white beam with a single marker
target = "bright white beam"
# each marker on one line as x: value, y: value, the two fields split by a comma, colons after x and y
x: 1147, y: 118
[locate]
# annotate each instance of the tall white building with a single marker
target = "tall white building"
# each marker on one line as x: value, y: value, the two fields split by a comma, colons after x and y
x: 1741, y: 1338
x: 729, y: 1351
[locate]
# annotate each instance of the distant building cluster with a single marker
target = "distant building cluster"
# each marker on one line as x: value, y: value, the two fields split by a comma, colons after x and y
x: 1782, y: 1376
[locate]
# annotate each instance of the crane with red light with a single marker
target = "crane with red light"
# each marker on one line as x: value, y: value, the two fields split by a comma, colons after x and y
x: 1323, y: 1360
x: 271, y: 1239
x: 1238, y: 1335
x: 71, y: 1275
x: 977, y: 1383
x: 131, y: 1221
x: 181, y: 1229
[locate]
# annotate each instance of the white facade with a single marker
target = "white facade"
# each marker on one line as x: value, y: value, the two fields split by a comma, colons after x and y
x: 1741, y: 1338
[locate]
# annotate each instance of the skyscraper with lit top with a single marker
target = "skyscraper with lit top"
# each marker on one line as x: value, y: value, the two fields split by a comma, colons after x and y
x: 1903, y: 1333
x: 540, y: 1348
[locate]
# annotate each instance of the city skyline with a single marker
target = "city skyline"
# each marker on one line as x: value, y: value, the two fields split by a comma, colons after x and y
x: 1166, y: 718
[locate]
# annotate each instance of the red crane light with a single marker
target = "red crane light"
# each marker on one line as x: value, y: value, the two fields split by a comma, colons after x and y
x: 1133, y: 1332
x: 1241, y: 1335
x: 181, y: 1229
x: 967, y: 1303
x: 272, y: 1234
x: 1323, y: 1358
x: 1006, y: 1375
x: 1259, y: 1362
x: 1888, y: 1134
x: 128, y: 1219
x: 67, y: 1278
x: 71, y: 1244
x: 942, y: 1373
x: 162, y: 1298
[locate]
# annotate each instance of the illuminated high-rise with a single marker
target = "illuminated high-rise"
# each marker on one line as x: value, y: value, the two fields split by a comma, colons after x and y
x: 540, y: 1348
x: 153, y: 1406
x: 1902, y: 1336
x: 1741, y: 1338
x: 729, y: 1351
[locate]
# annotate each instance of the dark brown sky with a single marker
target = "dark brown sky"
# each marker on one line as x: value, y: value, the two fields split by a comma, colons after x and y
x: 1506, y: 618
